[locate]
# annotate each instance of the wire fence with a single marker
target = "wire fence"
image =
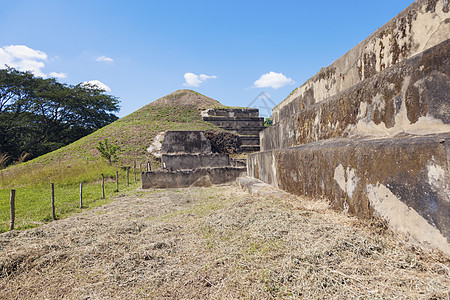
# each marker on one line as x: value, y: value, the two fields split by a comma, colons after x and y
x: 82, y: 197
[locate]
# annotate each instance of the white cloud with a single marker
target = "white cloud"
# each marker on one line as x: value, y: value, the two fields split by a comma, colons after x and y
x: 98, y: 84
x: 273, y: 80
x: 23, y: 58
x: 192, y: 79
x: 104, y: 59
x: 58, y: 75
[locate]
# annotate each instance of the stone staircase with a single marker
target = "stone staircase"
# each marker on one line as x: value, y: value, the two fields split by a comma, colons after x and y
x: 371, y: 132
x: 187, y: 160
x: 244, y: 122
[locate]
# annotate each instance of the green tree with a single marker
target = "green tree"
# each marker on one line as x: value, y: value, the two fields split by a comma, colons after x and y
x: 108, y: 151
x: 39, y: 115
x: 268, y: 122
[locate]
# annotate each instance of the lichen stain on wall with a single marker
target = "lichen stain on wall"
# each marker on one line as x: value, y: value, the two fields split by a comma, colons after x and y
x: 403, y: 218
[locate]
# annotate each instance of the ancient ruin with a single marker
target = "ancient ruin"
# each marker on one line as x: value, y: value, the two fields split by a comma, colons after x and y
x: 245, y: 122
x: 187, y: 159
x: 371, y: 132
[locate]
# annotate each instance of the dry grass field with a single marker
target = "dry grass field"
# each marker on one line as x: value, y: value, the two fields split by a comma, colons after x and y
x: 218, y: 243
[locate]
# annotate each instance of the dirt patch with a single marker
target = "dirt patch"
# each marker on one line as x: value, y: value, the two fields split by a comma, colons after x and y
x: 217, y: 242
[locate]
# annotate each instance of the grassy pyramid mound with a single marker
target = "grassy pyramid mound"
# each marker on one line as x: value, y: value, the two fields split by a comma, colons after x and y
x: 81, y: 162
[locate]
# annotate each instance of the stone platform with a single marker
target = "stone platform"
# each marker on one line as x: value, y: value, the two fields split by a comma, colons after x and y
x: 187, y: 178
x: 193, y: 161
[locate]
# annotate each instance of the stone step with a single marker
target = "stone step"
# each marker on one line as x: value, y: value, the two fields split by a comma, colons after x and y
x: 410, y: 97
x: 249, y: 148
x: 245, y: 131
x: 404, y: 180
x: 249, y: 140
x: 187, y: 178
x: 236, y: 123
x: 232, y: 112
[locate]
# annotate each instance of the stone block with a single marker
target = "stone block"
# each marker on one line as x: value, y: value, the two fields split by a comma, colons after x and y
x: 185, y: 142
x: 192, y: 161
x: 187, y: 178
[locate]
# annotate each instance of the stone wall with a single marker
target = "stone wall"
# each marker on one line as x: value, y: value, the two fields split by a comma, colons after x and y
x: 371, y: 131
x: 410, y: 97
x: 187, y: 178
x: 424, y: 24
x: 187, y: 160
x: 405, y: 180
x: 185, y: 142
x: 193, y: 161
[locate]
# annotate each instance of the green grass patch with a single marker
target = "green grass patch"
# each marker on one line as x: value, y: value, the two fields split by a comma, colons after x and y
x: 33, y: 201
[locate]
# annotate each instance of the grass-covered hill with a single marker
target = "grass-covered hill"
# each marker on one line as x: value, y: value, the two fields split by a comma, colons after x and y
x: 81, y: 161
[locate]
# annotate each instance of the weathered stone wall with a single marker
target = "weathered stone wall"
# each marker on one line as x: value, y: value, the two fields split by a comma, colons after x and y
x: 371, y: 131
x: 193, y: 161
x: 410, y: 97
x: 405, y: 180
x: 187, y: 178
x: 422, y: 25
x: 185, y: 142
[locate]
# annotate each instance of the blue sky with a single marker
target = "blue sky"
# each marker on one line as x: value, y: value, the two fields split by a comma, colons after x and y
x: 228, y: 50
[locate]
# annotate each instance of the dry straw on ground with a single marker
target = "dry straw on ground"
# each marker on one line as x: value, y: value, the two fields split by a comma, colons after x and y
x: 218, y: 243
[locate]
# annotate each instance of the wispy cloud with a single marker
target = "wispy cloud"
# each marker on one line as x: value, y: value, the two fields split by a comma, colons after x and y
x: 273, y: 80
x: 23, y: 58
x: 58, y: 75
x: 104, y: 59
x: 96, y: 83
x: 192, y: 79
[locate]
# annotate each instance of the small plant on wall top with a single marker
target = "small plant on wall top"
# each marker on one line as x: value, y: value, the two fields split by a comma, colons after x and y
x: 108, y: 151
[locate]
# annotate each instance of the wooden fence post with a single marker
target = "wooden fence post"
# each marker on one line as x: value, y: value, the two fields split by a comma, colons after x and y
x: 128, y: 176
x: 53, y: 201
x: 81, y: 195
x: 134, y: 171
x: 103, y: 186
x: 12, y: 203
x: 117, y: 181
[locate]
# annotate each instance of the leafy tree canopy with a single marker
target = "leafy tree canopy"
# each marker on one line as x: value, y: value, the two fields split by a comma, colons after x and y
x: 39, y: 115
